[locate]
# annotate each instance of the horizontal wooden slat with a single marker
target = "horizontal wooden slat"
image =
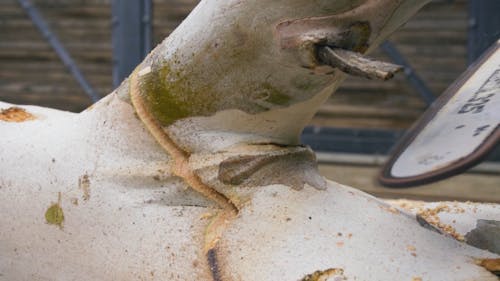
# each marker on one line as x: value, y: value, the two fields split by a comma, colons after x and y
x: 434, y: 43
x: 466, y: 187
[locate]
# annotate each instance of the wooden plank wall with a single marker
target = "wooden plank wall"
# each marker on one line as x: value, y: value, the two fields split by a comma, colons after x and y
x: 30, y: 72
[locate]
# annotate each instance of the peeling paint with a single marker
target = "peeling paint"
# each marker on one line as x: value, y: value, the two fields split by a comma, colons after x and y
x: 430, y: 215
x: 390, y: 209
x: 422, y: 222
x: 485, y: 236
x: 336, y: 274
x: 84, y: 185
x: 258, y: 170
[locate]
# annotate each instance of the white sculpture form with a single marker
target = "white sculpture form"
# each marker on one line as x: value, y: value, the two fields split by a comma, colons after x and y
x: 192, y: 169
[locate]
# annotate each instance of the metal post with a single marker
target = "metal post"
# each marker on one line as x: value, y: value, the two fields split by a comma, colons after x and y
x: 131, y: 22
x: 484, y: 26
x: 61, y: 52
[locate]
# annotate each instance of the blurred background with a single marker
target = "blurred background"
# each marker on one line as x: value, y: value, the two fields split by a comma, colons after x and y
x: 66, y: 53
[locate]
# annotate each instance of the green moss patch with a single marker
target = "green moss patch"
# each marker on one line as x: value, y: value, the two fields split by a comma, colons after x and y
x: 55, y: 215
x: 170, y: 97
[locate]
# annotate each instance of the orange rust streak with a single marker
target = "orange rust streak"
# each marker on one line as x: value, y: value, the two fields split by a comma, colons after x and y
x: 180, y: 167
x: 492, y: 265
x: 15, y: 114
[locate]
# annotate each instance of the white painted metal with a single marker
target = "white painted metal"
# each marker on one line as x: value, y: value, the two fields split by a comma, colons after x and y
x: 126, y: 217
x: 140, y: 223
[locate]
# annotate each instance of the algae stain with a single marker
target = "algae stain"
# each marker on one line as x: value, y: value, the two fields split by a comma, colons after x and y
x: 54, y: 214
x: 303, y: 83
x: 270, y: 95
x: 275, y: 96
x: 170, y: 96
x: 161, y: 98
x: 174, y: 94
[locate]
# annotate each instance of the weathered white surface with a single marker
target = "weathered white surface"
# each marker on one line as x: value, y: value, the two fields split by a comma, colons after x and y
x: 131, y: 227
x: 297, y: 233
x: 455, y: 218
x: 136, y: 227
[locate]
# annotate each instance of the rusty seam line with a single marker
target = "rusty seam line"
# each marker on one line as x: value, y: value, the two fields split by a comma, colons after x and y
x: 180, y: 166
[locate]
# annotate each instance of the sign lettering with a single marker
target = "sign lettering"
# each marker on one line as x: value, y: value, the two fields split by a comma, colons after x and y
x: 487, y: 91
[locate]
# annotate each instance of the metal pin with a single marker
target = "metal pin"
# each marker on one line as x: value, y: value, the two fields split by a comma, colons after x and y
x: 356, y: 64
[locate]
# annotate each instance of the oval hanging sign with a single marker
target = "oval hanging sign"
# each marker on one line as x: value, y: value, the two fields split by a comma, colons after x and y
x: 455, y: 133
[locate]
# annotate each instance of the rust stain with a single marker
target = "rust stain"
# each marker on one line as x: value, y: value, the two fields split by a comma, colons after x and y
x: 179, y: 156
x: 431, y: 216
x: 323, y: 275
x: 84, y: 184
x: 15, y: 114
x: 416, y: 279
x: 409, y: 205
x: 492, y: 265
x: 390, y: 209
x: 206, y: 215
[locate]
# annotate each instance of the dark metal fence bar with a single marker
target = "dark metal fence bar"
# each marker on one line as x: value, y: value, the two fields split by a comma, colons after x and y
x: 131, y: 35
x: 61, y: 52
x: 147, y: 26
x: 409, y: 72
x: 484, y: 26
